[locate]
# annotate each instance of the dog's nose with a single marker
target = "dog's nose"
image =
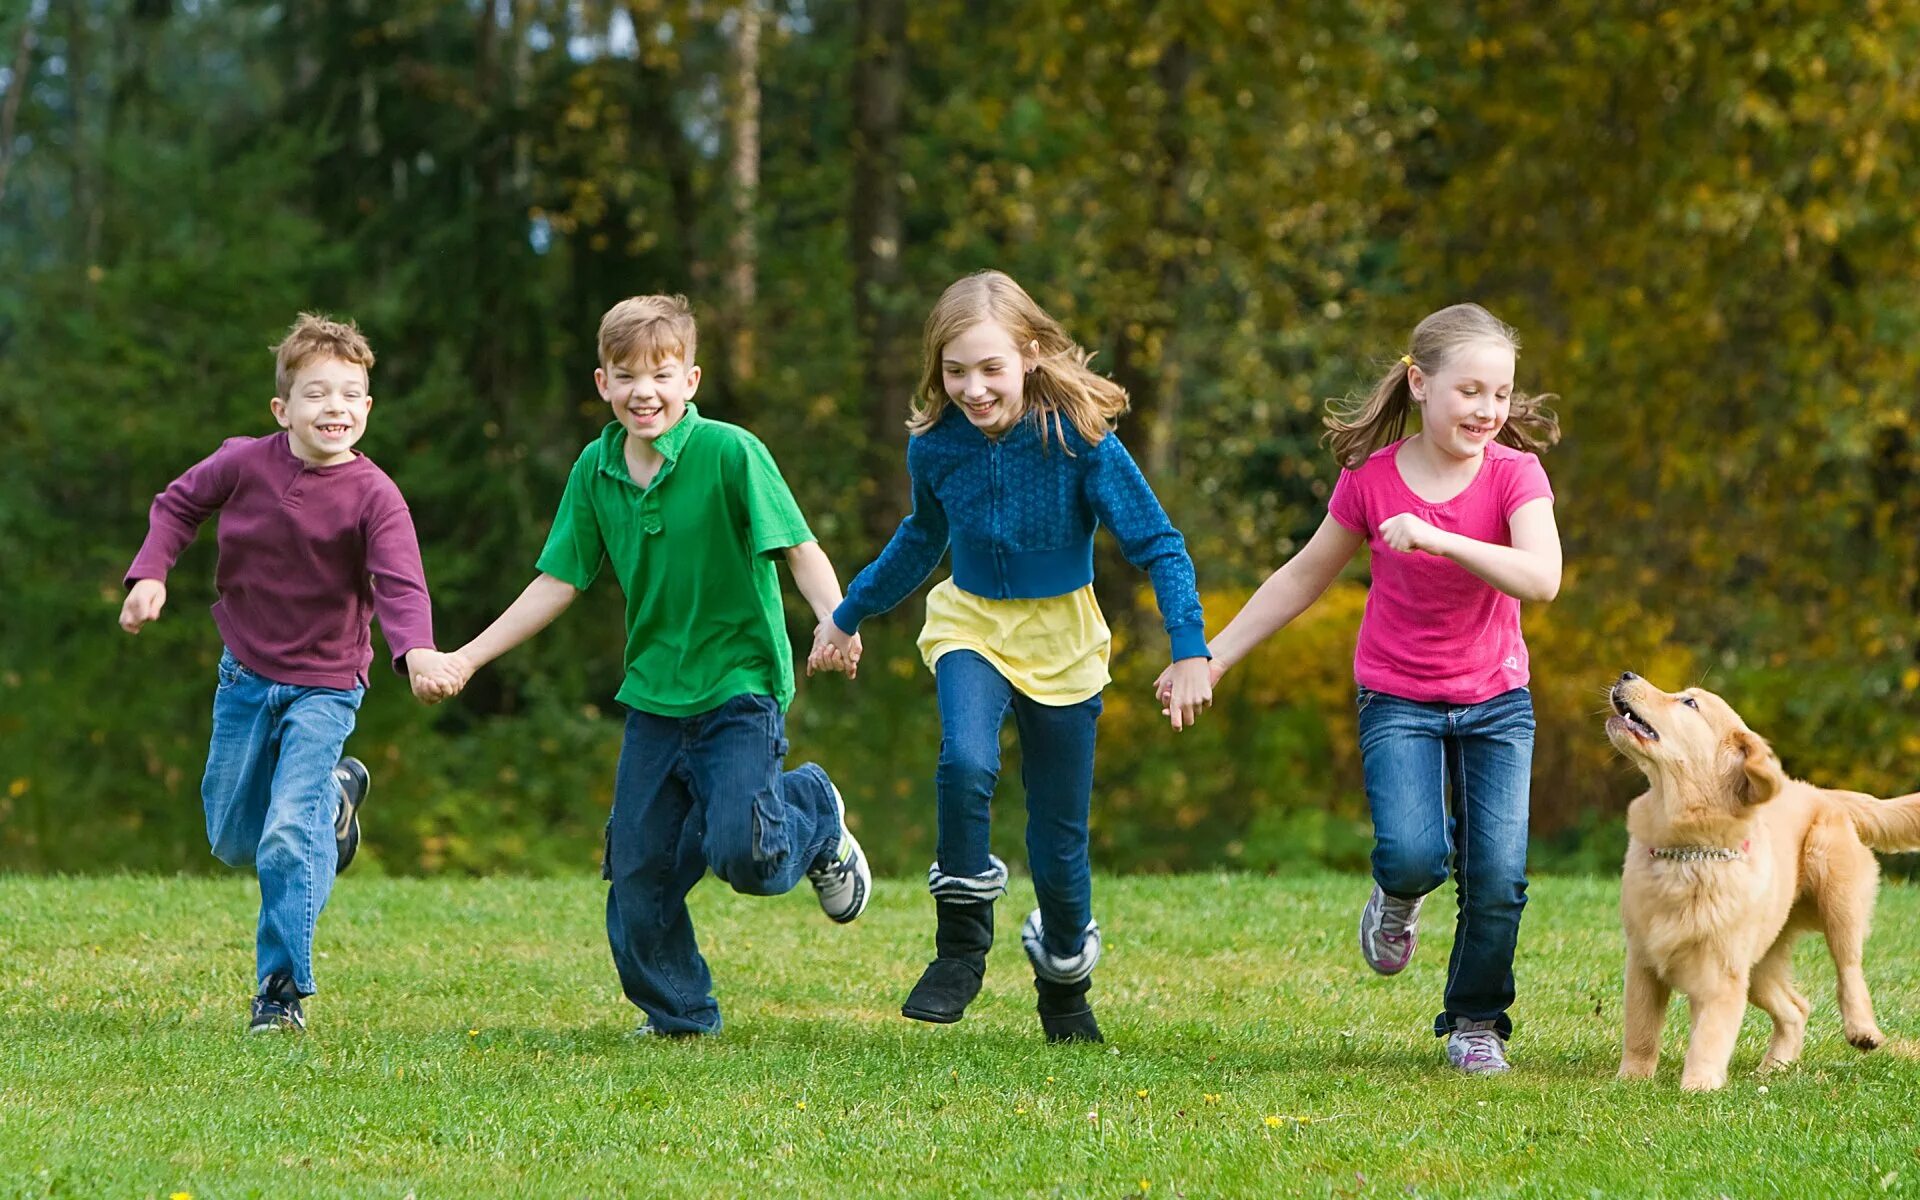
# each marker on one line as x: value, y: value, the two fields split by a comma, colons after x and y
x: 1628, y: 677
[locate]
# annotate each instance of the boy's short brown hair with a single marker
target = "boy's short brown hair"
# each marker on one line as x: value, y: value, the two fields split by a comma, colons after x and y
x: 317, y: 336
x: 646, y: 330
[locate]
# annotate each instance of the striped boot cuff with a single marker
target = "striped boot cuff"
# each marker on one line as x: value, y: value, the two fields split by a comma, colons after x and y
x: 969, y: 889
x: 1052, y: 968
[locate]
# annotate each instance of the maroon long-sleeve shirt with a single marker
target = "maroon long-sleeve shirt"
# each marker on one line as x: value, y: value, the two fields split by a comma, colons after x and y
x: 308, y: 556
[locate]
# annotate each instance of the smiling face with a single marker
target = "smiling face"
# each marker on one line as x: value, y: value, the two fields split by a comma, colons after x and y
x: 648, y: 400
x: 1692, y: 741
x: 325, y: 410
x: 985, y: 375
x: 1464, y: 403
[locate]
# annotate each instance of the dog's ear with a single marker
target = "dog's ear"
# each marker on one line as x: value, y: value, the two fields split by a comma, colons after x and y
x: 1757, y: 776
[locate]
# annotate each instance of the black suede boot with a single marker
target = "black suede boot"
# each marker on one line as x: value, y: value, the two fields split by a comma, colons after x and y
x: 1065, y: 1014
x: 951, y: 981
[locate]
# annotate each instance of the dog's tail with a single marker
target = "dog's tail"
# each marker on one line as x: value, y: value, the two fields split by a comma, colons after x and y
x: 1886, y: 824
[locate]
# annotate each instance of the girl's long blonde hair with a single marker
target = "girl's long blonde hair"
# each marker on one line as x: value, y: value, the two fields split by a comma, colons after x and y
x: 1062, y: 385
x: 1358, y: 426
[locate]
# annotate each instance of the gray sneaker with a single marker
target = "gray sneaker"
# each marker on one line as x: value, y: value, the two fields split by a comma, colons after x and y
x: 1476, y: 1048
x: 1389, y: 930
x: 842, y: 880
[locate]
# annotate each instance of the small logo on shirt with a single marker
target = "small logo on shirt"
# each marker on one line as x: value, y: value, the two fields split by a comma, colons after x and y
x: 1512, y: 663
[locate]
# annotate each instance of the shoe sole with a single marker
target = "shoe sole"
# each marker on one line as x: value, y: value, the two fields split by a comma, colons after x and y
x: 930, y: 1017
x: 347, y: 842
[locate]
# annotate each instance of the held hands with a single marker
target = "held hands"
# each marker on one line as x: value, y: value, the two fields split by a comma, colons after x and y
x: 834, y: 650
x: 1185, y: 688
x: 436, y: 676
x: 144, y: 601
x: 1409, y: 535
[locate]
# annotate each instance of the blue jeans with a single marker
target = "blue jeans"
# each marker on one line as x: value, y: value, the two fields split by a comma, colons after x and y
x: 270, y: 799
x: 1056, y: 755
x: 692, y: 793
x: 1448, y: 784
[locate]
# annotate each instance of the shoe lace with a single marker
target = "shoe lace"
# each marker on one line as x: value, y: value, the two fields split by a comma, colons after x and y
x: 1398, y: 917
x: 1479, y: 1046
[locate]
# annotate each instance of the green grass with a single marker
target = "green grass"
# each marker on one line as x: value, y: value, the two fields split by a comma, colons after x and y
x: 470, y: 1040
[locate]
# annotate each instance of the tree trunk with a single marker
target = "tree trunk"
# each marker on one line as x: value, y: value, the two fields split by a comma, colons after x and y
x: 16, y: 87
x: 887, y: 373
x: 742, y: 281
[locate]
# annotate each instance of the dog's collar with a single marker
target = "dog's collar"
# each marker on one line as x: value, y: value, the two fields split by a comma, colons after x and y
x: 1700, y: 853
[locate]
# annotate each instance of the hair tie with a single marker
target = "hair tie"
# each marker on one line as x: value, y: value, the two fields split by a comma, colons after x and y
x: 1407, y: 359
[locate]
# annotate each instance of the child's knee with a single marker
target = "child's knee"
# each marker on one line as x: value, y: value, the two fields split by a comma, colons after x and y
x: 966, y: 770
x: 1409, y: 871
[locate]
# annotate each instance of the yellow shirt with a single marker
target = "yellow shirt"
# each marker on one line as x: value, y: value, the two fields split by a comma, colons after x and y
x: 1054, y: 650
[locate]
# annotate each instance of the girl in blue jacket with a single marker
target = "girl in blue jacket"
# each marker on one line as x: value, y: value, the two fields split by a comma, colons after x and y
x: 1013, y: 465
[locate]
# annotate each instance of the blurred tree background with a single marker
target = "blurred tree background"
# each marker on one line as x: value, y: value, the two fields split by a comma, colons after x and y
x: 1700, y: 218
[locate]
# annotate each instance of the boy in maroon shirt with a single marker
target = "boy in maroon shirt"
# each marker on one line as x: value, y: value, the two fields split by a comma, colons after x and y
x: 314, y: 542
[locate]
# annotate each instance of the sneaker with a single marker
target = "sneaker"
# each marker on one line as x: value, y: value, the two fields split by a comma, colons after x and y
x: 1476, y: 1048
x: 351, y: 776
x: 1389, y: 930
x: 277, y: 1007
x: 843, y: 881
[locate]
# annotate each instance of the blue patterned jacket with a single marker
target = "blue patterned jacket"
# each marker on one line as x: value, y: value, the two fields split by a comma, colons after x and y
x: 1020, y: 516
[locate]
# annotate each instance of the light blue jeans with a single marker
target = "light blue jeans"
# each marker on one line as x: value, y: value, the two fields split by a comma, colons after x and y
x: 1448, y: 786
x: 270, y: 800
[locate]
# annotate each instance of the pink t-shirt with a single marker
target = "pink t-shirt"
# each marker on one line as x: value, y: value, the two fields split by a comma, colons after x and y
x: 1433, y: 630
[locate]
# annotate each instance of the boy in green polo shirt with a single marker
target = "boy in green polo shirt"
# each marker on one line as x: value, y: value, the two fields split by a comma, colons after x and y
x: 692, y: 513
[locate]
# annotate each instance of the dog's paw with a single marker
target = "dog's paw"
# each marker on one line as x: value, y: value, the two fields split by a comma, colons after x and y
x: 1771, y: 1063
x: 1630, y: 1071
x: 1702, y: 1083
x: 1869, y: 1038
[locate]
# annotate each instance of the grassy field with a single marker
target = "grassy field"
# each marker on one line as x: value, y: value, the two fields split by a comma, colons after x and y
x: 471, y: 1040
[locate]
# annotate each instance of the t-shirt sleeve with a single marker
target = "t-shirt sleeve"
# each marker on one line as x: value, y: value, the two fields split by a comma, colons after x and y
x: 774, y: 521
x: 1526, y: 481
x: 1348, y: 503
x: 575, y: 548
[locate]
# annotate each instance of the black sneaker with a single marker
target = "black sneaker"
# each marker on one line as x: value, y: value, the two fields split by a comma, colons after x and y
x: 277, y: 1007
x: 351, y: 776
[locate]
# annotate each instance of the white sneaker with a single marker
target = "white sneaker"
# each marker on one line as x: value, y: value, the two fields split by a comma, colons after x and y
x: 1475, y: 1048
x: 843, y: 881
x: 1389, y: 930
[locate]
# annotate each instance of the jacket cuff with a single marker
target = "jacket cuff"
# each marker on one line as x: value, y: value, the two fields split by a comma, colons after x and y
x: 1189, y: 641
x: 847, y: 617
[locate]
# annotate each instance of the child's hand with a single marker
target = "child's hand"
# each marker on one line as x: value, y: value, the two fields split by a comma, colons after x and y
x: 834, y: 650
x: 1163, y: 686
x: 144, y: 601
x: 1409, y: 534
x: 436, y: 676
x: 1189, y: 690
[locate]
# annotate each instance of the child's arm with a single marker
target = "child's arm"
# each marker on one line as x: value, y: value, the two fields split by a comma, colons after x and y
x: 819, y: 585
x: 1285, y: 595
x: 543, y: 600
x: 910, y: 556
x: 175, y: 517
x: 400, y: 599
x: 1527, y: 570
x: 1124, y: 502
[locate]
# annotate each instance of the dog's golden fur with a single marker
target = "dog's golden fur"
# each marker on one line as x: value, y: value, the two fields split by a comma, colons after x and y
x: 1720, y: 930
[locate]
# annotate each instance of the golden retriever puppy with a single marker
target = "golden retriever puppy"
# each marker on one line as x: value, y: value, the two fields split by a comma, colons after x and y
x: 1728, y: 862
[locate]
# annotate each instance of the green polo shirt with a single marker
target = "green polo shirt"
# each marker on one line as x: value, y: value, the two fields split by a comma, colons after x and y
x: 695, y: 554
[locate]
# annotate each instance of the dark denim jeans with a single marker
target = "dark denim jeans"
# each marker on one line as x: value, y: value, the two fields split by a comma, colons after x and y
x: 1056, y: 754
x: 692, y: 793
x: 1448, y: 784
x: 270, y: 800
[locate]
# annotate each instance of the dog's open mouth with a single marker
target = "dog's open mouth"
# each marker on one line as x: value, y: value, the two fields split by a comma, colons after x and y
x: 1632, y: 721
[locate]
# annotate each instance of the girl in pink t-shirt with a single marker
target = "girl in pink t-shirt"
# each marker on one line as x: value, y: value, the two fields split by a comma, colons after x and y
x: 1459, y: 519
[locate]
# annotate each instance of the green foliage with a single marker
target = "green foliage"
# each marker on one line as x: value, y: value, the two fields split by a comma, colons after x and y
x: 1699, y: 218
